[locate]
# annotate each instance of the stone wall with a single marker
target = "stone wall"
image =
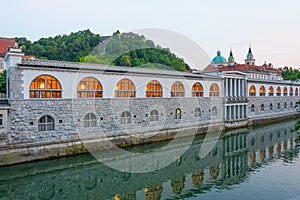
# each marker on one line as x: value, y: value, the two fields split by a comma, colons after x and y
x: 68, y: 115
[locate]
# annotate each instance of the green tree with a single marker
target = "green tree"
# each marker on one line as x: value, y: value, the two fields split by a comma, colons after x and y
x: 3, y: 81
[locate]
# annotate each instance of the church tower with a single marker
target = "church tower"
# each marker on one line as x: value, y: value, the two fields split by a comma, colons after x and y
x: 250, y: 58
x: 231, y: 60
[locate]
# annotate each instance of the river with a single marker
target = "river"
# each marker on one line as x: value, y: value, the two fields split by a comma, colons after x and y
x: 253, y: 163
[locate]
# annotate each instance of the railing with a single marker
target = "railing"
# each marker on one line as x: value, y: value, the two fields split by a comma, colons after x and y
x: 236, y: 99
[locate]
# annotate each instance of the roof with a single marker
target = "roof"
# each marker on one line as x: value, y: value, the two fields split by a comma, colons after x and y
x: 5, y: 43
x: 243, y: 68
x: 218, y: 59
x: 52, y: 64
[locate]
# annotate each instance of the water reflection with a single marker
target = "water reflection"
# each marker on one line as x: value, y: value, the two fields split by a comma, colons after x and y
x: 231, y: 161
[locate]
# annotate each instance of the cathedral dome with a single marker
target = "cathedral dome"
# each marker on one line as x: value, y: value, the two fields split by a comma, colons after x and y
x: 219, y: 59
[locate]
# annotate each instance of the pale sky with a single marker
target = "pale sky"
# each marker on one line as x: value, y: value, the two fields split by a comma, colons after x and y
x: 271, y: 27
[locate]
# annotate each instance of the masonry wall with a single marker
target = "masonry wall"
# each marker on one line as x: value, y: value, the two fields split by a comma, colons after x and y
x: 68, y: 115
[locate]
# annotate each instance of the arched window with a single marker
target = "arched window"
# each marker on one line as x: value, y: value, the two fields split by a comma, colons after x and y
x: 126, y: 118
x: 278, y: 106
x: 154, y: 116
x: 177, y: 89
x: 90, y: 120
x: 271, y: 106
x: 89, y: 88
x: 291, y: 91
x: 252, y: 91
x: 46, y: 123
x: 197, y: 90
x: 214, y: 111
x: 296, y: 92
x: 291, y: 104
x: 285, y: 105
x: 271, y: 91
x: 214, y: 90
x: 262, y: 107
x: 262, y: 91
x: 197, y: 112
x: 154, y: 89
x: 278, y: 91
x: 45, y: 86
x: 285, y: 91
x: 252, y: 108
x: 177, y: 113
x: 125, y: 88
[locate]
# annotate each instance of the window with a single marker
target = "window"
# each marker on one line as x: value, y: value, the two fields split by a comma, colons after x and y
x: 1, y: 119
x: 214, y: 90
x: 197, y: 112
x: 291, y: 91
x: 291, y: 104
x: 271, y: 91
x: 46, y: 123
x: 90, y: 120
x: 252, y: 91
x: 285, y: 105
x: 197, y: 90
x: 278, y: 91
x: 154, y: 89
x: 285, y: 92
x: 278, y: 106
x: 214, y: 111
x: 154, y: 116
x: 252, y: 108
x: 271, y: 106
x: 45, y: 86
x: 125, y: 88
x: 126, y: 118
x: 89, y: 88
x: 262, y: 91
x: 177, y: 89
x: 177, y: 114
x: 262, y: 107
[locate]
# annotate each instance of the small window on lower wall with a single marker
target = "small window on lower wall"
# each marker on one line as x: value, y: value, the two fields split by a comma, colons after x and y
x: 262, y: 107
x: 278, y: 106
x: 126, y: 118
x: 46, y: 123
x: 197, y: 112
x: 271, y: 106
x: 214, y: 111
x: 154, y: 116
x: 252, y: 108
x: 90, y: 120
x: 177, y: 113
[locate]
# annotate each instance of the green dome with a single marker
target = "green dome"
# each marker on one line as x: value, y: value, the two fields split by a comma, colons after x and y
x: 219, y: 59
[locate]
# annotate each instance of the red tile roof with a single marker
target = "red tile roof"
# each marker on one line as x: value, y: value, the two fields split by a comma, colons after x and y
x: 5, y: 43
x: 242, y: 68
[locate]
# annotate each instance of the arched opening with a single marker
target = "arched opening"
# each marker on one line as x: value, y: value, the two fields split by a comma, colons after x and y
x: 154, y: 89
x: 46, y: 123
x: 271, y: 106
x: 296, y: 92
x: 90, y: 120
x: 214, y: 111
x: 262, y: 91
x: 278, y: 91
x: 125, y: 88
x: 126, y: 118
x: 291, y: 91
x: 278, y: 106
x: 262, y: 107
x: 177, y: 89
x: 177, y: 113
x: 89, y: 88
x: 285, y: 91
x: 197, y: 90
x: 197, y: 112
x: 154, y: 116
x: 252, y: 91
x: 252, y: 108
x: 45, y: 86
x: 271, y: 91
x: 214, y: 90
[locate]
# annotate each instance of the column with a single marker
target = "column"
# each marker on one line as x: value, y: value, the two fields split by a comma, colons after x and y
x: 226, y: 87
x: 239, y: 87
x: 234, y: 87
x: 231, y: 94
x: 243, y: 115
x: 243, y: 87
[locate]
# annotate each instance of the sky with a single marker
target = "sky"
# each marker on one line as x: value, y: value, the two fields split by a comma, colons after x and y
x: 271, y: 27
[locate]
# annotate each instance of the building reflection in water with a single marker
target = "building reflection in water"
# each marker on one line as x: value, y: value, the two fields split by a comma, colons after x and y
x: 230, y: 162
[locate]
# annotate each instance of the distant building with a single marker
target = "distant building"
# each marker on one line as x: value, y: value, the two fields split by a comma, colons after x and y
x: 5, y: 43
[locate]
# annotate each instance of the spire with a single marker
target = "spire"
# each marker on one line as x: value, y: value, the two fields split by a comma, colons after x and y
x: 250, y: 58
x: 231, y: 59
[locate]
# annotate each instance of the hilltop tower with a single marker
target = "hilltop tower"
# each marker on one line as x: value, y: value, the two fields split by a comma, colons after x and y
x: 250, y: 58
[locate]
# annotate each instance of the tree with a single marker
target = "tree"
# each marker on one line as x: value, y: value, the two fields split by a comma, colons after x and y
x: 3, y: 81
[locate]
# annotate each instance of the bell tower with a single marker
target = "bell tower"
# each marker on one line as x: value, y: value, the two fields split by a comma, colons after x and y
x: 250, y: 58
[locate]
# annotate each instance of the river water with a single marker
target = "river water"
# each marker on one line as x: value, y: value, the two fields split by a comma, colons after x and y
x: 257, y: 163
